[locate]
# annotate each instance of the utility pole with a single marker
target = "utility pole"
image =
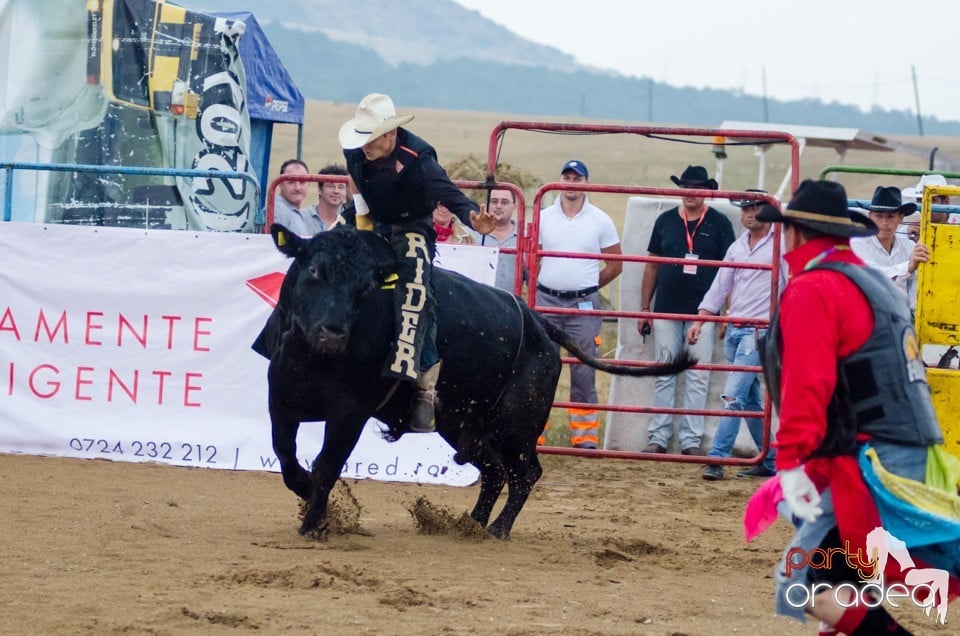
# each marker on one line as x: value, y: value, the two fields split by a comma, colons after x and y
x: 650, y: 100
x: 766, y: 110
x: 916, y: 97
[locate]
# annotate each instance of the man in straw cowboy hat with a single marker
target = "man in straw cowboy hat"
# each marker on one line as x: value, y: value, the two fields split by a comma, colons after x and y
x: 843, y: 369
x: 400, y: 182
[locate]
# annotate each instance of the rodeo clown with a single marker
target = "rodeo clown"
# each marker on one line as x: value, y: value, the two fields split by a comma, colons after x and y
x: 399, y: 183
x: 858, y: 449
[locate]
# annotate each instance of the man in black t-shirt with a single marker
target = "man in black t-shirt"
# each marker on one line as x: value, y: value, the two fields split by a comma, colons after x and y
x: 692, y: 231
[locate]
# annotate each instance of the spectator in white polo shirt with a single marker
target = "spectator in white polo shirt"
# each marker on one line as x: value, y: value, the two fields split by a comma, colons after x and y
x: 573, y: 224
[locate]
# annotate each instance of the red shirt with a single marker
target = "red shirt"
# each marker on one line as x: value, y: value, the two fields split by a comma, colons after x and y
x: 823, y: 317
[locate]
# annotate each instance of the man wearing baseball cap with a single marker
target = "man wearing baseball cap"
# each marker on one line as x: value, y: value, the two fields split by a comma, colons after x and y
x: 843, y: 369
x: 400, y: 182
x: 573, y: 224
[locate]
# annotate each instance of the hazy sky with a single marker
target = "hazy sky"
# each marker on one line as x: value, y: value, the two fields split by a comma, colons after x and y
x: 855, y: 52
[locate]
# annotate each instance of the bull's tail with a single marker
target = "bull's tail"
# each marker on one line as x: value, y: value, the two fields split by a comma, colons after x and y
x: 684, y: 360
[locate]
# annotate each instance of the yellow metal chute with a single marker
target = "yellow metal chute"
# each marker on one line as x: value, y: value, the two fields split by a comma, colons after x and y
x: 938, y: 311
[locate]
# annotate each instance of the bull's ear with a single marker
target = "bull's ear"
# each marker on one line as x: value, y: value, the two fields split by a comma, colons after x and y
x: 286, y: 241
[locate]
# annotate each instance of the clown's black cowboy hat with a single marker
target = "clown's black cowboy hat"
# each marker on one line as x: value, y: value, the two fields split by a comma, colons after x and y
x: 821, y: 206
x: 887, y: 199
x: 695, y: 177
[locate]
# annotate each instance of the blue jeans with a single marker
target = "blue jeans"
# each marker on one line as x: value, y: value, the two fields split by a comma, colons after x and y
x: 741, y: 393
x: 669, y: 337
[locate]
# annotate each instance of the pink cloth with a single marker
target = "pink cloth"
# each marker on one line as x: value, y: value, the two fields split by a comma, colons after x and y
x: 761, y: 510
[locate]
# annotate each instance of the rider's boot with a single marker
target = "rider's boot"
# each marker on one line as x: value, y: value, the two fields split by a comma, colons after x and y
x: 425, y: 398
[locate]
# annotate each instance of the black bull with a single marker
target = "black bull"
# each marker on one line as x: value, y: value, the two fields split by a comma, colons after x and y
x: 330, y: 335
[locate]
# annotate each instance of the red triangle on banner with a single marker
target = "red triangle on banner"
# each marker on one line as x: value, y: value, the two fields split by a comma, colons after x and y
x: 267, y: 287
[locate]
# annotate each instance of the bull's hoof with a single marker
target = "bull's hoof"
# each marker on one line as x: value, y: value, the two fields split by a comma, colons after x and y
x: 498, y: 531
x: 312, y: 530
x: 312, y: 522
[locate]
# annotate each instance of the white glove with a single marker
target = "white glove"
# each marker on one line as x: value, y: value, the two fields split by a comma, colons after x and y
x: 800, y: 494
x: 360, y: 205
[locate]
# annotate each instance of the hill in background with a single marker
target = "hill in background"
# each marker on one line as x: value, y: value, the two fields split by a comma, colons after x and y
x: 437, y: 54
x: 418, y: 32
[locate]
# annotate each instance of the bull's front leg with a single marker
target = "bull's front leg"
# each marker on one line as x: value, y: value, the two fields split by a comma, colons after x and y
x: 295, y: 476
x: 339, y: 440
x: 492, y: 478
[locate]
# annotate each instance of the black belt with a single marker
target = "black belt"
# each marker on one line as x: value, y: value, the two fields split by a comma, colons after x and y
x: 580, y: 293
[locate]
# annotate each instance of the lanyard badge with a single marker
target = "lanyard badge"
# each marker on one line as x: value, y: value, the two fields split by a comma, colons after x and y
x: 691, y: 268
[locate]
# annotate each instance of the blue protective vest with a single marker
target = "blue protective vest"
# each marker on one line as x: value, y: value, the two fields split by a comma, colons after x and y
x: 882, y: 388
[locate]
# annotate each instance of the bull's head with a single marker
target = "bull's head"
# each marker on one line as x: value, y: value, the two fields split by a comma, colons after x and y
x: 325, y: 285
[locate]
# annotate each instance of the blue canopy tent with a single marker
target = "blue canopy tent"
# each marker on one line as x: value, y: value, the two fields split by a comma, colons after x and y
x: 272, y: 96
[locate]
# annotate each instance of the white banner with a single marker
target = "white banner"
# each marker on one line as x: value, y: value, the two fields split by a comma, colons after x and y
x: 134, y: 345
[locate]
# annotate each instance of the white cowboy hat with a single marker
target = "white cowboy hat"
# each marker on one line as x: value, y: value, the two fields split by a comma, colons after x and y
x: 926, y: 180
x: 375, y: 116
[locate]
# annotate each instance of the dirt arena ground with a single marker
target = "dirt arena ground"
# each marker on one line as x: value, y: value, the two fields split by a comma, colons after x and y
x: 602, y: 547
